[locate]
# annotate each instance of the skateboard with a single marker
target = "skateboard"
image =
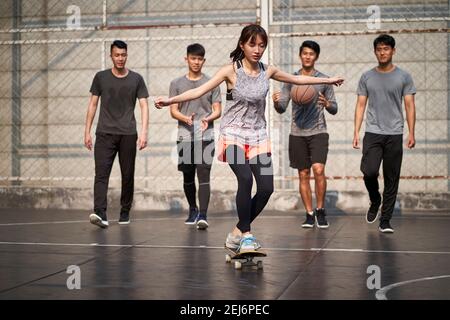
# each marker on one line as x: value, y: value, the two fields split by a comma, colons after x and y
x: 245, y: 258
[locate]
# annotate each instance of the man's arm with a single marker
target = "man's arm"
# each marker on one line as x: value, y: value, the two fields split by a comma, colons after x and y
x: 142, y: 140
x: 177, y: 115
x: 410, y: 108
x: 281, y: 99
x: 217, y: 112
x: 92, y: 109
x: 328, y: 100
x: 359, y: 116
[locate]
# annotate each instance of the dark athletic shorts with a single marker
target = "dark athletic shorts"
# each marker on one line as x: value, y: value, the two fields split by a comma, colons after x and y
x: 305, y: 151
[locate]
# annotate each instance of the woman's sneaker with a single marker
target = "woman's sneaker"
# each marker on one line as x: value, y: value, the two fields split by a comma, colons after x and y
x: 248, y: 243
x: 232, y: 242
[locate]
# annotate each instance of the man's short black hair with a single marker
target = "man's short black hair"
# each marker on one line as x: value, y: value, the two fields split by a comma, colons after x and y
x: 310, y: 44
x: 384, y: 39
x: 196, y: 49
x: 119, y: 44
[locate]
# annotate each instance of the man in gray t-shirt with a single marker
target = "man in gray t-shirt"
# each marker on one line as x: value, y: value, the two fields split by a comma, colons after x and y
x: 195, y: 137
x: 384, y: 87
x: 117, y: 89
x: 308, y: 140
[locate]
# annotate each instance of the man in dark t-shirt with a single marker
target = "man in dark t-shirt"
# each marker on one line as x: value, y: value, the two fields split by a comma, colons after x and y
x: 118, y: 88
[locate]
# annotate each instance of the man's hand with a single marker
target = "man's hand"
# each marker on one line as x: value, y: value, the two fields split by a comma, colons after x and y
x: 276, y: 96
x: 323, y: 101
x: 411, y: 141
x: 190, y: 120
x: 204, y: 124
x: 88, y: 141
x: 356, y: 141
x: 142, y: 142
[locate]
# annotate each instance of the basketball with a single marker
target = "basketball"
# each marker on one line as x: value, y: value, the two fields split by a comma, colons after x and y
x: 303, y: 94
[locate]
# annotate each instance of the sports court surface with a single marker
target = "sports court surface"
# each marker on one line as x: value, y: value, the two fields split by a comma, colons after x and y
x: 158, y: 257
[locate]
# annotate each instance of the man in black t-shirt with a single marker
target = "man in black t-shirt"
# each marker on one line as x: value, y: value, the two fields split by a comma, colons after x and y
x: 116, y: 132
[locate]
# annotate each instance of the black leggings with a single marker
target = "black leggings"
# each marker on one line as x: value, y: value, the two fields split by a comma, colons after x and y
x: 260, y: 167
x: 204, y: 189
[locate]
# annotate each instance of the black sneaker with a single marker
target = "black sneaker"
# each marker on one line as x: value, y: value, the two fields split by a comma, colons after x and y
x: 99, y: 219
x: 202, y: 222
x: 372, y: 213
x: 385, y: 227
x: 124, y: 217
x: 192, y: 218
x: 309, y: 221
x: 321, y: 221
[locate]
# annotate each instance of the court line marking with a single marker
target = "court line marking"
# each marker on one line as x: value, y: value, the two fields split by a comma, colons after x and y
x: 444, y: 217
x: 141, y: 219
x: 157, y: 246
x: 381, y: 293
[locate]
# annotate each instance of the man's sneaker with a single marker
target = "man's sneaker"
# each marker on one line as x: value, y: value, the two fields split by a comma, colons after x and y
x: 124, y: 217
x: 248, y: 243
x: 202, y: 222
x: 385, y: 227
x: 309, y: 222
x: 192, y: 218
x: 99, y: 219
x: 321, y: 221
x: 372, y: 213
x: 232, y: 242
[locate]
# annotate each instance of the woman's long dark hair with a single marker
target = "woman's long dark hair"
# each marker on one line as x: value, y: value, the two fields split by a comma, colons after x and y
x: 249, y: 32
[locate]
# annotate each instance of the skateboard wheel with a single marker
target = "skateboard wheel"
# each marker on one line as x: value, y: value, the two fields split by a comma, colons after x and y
x: 237, y: 265
x: 227, y: 258
x: 259, y: 264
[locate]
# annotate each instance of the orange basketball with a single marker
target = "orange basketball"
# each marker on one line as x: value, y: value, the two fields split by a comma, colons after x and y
x: 303, y: 94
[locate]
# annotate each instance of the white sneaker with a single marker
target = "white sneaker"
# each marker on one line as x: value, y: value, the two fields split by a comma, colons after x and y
x: 102, y: 222
x: 232, y: 242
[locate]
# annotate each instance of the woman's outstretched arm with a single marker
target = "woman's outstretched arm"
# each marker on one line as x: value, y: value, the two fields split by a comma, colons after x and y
x: 282, y: 76
x: 195, y: 93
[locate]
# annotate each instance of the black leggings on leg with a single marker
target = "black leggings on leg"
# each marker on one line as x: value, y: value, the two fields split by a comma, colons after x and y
x: 260, y: 167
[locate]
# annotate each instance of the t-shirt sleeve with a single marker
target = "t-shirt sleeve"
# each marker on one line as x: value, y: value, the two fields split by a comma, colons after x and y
x: 173, y: 89
x: 216, y: 95
x: 96, y: 89
x: 408, y: 87
x: 362, y: 86
x: 142, y: 91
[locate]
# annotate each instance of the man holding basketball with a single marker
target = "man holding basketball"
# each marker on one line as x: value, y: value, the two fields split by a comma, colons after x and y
x: 308, y: 140
x: 384, y: 87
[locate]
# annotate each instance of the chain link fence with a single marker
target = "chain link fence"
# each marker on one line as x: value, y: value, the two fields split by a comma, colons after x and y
x: 52, y: 49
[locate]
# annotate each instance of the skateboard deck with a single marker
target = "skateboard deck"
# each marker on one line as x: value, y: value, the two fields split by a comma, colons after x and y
x: 245, y: 258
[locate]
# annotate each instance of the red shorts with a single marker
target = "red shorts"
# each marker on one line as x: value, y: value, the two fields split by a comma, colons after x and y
x: 249, y: 150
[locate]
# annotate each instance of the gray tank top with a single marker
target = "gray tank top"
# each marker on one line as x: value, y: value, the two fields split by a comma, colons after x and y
x: 243, y: 117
